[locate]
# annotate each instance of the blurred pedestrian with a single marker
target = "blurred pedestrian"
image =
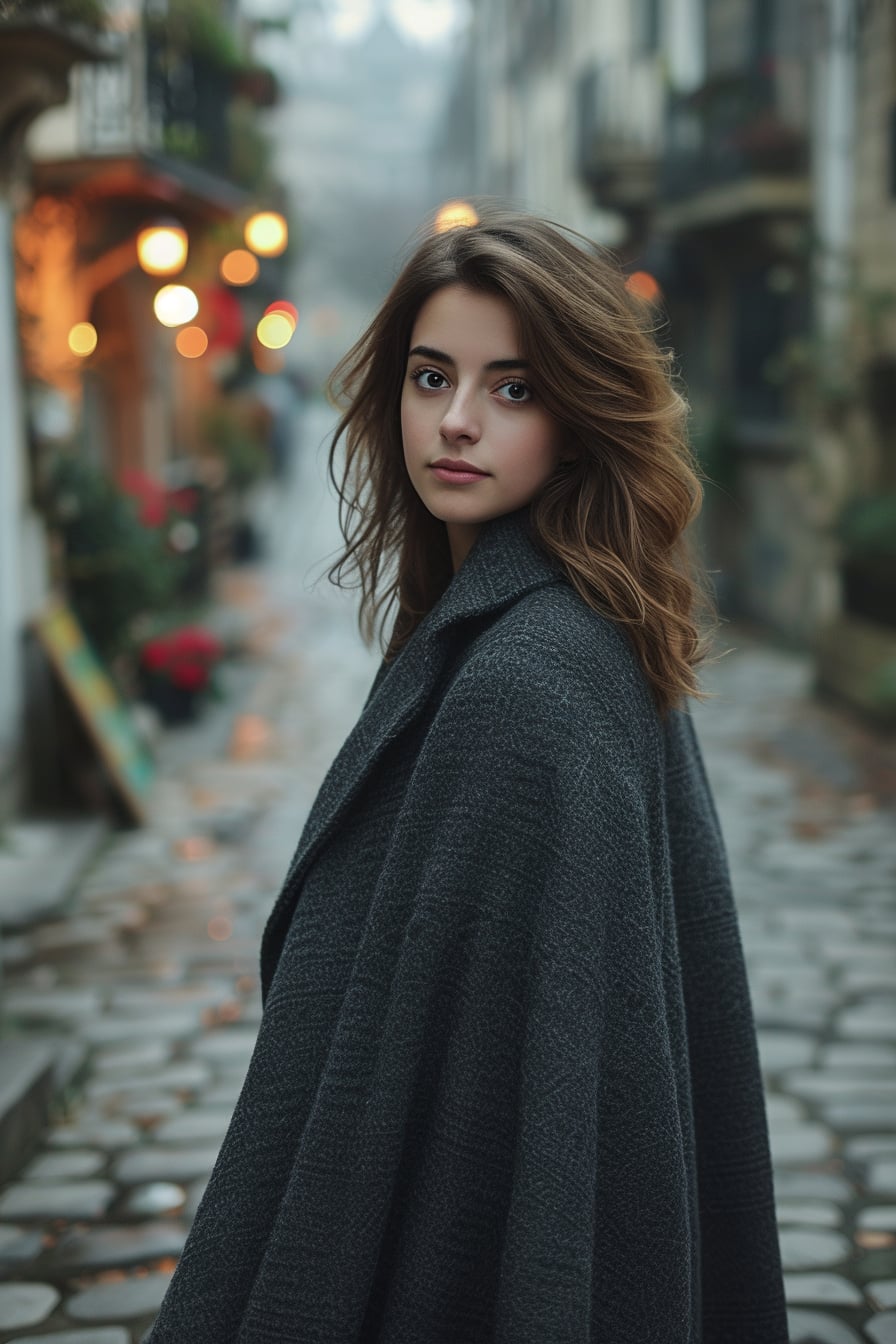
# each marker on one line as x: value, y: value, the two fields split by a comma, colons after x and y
x: 506, y: 1085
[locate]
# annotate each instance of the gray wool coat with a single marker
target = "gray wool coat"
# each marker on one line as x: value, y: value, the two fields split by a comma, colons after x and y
x: 506, y: 1084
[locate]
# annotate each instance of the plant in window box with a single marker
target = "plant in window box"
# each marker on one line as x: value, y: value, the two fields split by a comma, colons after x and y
x: 867, y: 532
x: 176, y: 672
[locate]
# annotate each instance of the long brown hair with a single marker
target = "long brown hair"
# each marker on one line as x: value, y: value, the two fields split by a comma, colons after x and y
x: 612, y: 518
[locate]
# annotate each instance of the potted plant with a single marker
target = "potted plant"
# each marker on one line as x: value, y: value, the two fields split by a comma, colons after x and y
x: 176, y: 672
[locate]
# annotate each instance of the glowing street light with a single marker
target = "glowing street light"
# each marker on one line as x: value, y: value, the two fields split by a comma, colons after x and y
x: 287, y: 309
x: 275, y: 330
x: 175, y: 305
x: 162, y: 248
x: 239, y: 267
x: 266, y: 233
x: 644, y: 286
x: 191, y: 342
x: 455, y: 215
x: 82, y: 339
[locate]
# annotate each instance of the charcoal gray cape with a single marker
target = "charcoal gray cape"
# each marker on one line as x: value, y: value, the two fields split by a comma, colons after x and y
x: 506, y: 1085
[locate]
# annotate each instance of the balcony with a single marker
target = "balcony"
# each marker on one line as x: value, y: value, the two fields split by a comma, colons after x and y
x: 732, y: 151
x: 620, y: 132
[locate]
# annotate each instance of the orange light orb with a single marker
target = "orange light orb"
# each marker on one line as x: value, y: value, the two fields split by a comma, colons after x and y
x: 266, y: 233
x: 82, y: 339
x: 455, y: 215
x: 239, y: 267
x: 191, y: 342
x: 643, y: 285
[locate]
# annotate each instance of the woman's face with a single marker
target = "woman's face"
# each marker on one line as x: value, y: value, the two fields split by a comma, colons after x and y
x: 467, y: 399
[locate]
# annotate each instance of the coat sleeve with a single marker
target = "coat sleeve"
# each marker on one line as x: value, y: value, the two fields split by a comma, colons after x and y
x: 529, y: 1045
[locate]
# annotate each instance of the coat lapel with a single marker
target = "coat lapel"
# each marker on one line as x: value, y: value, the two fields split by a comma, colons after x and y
x: 501, y: 567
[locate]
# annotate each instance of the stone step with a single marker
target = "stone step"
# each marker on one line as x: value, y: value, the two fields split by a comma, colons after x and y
x: 27, y: 1087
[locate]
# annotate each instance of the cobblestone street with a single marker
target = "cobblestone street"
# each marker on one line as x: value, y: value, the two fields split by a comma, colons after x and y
x: 152, y: 979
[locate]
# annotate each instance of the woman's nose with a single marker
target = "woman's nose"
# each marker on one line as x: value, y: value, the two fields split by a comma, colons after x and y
x: 460, y: 421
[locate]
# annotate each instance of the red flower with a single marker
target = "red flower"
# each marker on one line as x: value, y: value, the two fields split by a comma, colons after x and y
x: 149, y: 494
x: 189, y: 676
x: 154, y: 655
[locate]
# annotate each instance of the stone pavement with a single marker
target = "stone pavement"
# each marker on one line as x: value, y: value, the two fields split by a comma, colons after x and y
x: 153, y: 976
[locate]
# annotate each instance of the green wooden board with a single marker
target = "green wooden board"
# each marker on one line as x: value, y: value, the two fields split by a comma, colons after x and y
x: 98, y: 705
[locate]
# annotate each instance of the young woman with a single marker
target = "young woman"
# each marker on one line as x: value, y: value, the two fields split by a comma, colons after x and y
x: 506, y: 1085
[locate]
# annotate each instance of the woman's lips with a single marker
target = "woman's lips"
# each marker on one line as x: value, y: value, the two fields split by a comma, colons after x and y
x: 458, y: 477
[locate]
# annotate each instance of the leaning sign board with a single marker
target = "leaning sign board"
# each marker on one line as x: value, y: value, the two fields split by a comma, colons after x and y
x: 98, y: 705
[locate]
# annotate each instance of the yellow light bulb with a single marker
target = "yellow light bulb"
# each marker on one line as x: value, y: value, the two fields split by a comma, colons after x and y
x: 274, y: 331
x: 455, y: 215
x: 82, y: 339
x: 174, y: 305
x: 267, y: 234
x: 162, y: 249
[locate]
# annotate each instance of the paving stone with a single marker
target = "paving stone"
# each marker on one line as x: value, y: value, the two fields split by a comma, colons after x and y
x: 114, y: 1247
x: 135, y: 1055
x: 194, y: 1125
x: 228, y: 1043
x: 831, y: 1289
x: 51, y: 1005
x: 223, y: 1093
x: 28, y: 1200
x: 146, y: 1109
x: 170, y: 1026
x: 814, y: 1213
x: 122, y: 1300
x: 882, y: 1329
x: 187, y: 1075
x: 26, y: 1303
x: 867, y: 1024
x: 18, y: 1244
x: 76, y: 1162
x: 107, y: 1334
x: 858, y: 1055
x: 881, y: 1178
x: 784, y: 1049
x: 173, y: 996
x: 799, y: 1142
x: 870, y: 1145
x: 811, y: 1248
x: 145, y: 1201
x: 859, y: 1114
x: 881, y: 1217
x: 817, y: 1327
x: 882, y: 1292
x: 825, y: 1083
x: 783, y: 1108
x: 109, y: 1134
x: 161, y: 1164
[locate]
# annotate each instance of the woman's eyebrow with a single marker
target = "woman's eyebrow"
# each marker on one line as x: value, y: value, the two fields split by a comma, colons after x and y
x: 429, y: 352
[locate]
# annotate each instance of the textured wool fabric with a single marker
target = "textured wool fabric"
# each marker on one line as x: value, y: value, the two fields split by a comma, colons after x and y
x: 506, y: 1086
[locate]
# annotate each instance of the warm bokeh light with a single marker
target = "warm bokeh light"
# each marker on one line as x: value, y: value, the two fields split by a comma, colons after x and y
x: 82, y: 339
x: 266, y: 233
x: 191, y: 342
x: 220, y: 928
x: 174, y: 305
x: 274, y: 330
x: 289, y: 310
x: 239, y: 267
x: 455, y: 215
x: 162, y: 248
x: 644, y: 286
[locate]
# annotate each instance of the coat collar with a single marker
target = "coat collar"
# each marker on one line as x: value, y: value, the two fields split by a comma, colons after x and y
x: 502, y: 566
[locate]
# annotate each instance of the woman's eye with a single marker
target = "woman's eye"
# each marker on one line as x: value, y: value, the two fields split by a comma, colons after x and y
x: 429, y: 379
x: 516, y: 391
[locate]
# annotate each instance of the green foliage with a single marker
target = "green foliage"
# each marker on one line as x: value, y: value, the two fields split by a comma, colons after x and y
x: 715, y: 446
x: 116, y: 569
x: 867, y: 528
x: 250, y: 148
x: 200, y: 26
x: 84, y: 13
x: 228, y: 429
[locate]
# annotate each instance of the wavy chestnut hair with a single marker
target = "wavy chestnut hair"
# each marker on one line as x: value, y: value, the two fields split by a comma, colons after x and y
x: 612, y: 518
